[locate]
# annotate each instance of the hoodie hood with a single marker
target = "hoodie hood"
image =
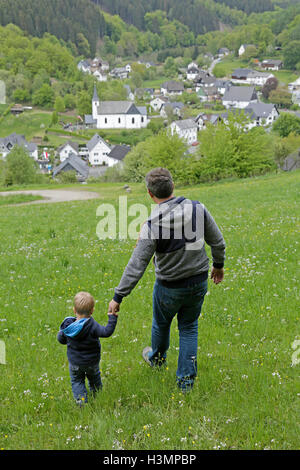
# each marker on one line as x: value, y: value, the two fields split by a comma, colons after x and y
x: 178, y: 219
x: 72, y: 327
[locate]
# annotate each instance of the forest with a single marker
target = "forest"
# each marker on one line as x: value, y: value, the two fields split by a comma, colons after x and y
x: 77, y: 21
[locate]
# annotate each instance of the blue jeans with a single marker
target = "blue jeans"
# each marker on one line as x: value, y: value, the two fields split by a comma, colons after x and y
x: 78, y: 374
x: 186, y: 302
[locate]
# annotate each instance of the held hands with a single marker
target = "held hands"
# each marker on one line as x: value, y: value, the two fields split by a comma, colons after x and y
x: 113, y: 308
x: 217, y: 275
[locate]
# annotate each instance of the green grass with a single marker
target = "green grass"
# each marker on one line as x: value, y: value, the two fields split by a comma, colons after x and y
x: 285, y: 76
x: 18, y: 199
x: 30, y: 123
x: 246, y: 395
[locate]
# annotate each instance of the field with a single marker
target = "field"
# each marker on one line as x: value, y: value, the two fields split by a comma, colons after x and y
x: 228, y: 64
x: 18, y: 199
x: 247, y: 392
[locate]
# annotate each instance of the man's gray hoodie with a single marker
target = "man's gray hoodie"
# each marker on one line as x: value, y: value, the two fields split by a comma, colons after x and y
x: 175, y: 233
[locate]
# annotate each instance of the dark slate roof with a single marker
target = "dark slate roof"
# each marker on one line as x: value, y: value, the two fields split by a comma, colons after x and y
x: 240, y: 93
x: 75, y: 163
x: 119, y: 152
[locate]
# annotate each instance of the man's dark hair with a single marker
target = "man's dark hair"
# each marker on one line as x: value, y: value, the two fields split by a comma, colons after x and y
x: 159, y: 181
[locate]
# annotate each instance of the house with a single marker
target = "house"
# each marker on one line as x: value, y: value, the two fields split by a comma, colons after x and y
x: 98, y: 150
x: 239, y: 97
x: 73, y: 163
x: 272, y: 64
x: 89, y: 121
x: 222, y: 85
x: 294, y: 86
x: 119, y: 72
x: 69, y: 148
x: 84, y: 66
x: 144, y: 93
x: 186, y: 129
x: 206, y: 82
x: 174, y: 107
x: 223, y: 51
x: 261, y: 114
x: 203, y: 119
x: 201, y: 76
x: 172, y: 88
x: 9, y: 142
x: 251, y: 77
x: 258, y: 78
x: 243, y: 48
x: 117, y: 114
x: 158, y: 102
x: 192, y: 72
x: 296, y: 97
x: 240, y: 75
x: 146, y: 63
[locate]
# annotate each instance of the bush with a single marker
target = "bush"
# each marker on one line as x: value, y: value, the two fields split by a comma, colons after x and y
x: 67, y: 177
x: 18, y: 168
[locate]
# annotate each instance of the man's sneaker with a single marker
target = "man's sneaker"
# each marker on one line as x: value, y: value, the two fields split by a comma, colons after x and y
x: 146, y: 351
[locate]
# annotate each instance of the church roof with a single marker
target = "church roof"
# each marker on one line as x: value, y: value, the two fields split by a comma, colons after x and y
x: 117, y: 107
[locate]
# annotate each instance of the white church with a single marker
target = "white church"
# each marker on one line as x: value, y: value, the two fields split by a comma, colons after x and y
x: 116, y: 114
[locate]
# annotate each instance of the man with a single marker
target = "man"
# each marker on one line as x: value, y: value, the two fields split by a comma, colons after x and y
x: 175, y: 233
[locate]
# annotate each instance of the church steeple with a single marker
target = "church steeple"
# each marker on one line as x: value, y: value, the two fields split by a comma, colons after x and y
x: 95, y: 95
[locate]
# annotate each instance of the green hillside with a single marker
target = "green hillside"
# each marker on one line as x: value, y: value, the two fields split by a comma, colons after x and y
x: 245, y: 396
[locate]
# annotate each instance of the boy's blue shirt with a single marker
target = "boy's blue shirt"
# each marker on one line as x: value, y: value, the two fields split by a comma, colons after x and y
x: 82, y: 338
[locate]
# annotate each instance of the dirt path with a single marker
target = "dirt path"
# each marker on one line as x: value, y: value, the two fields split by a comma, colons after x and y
x: 54, y: 195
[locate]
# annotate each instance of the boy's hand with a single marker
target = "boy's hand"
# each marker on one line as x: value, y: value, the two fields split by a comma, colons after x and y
x: 113, y: 307
x: 114, y: 314
x: 217, y: 275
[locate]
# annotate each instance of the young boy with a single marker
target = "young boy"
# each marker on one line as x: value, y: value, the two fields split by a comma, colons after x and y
x: 81, y: 335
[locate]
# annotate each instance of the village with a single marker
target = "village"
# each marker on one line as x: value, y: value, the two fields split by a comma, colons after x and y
x: 239, y: 93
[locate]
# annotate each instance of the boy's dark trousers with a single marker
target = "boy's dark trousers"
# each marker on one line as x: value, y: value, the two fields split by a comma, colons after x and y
x: 78, y: 374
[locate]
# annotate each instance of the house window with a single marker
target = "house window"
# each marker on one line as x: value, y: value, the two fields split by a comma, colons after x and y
x: 132, y: 120
x: 105, y: 120
x: 119, y: 120
x: 142, y: 119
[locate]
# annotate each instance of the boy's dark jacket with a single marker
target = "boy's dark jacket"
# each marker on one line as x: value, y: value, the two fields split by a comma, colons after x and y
x: 82, y: 338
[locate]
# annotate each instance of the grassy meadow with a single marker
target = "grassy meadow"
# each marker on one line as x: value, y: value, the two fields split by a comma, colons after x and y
x: 247, y: 392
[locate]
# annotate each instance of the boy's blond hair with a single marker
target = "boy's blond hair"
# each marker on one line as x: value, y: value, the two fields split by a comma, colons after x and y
x: 84, y: 303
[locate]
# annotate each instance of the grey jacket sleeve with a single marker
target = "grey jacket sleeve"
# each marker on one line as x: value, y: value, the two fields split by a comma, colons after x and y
x: 137, y: 264
x: 214, y: 238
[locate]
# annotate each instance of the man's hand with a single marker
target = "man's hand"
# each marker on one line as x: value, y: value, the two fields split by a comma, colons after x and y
x: 217, y: 275
x: 113, y: 307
